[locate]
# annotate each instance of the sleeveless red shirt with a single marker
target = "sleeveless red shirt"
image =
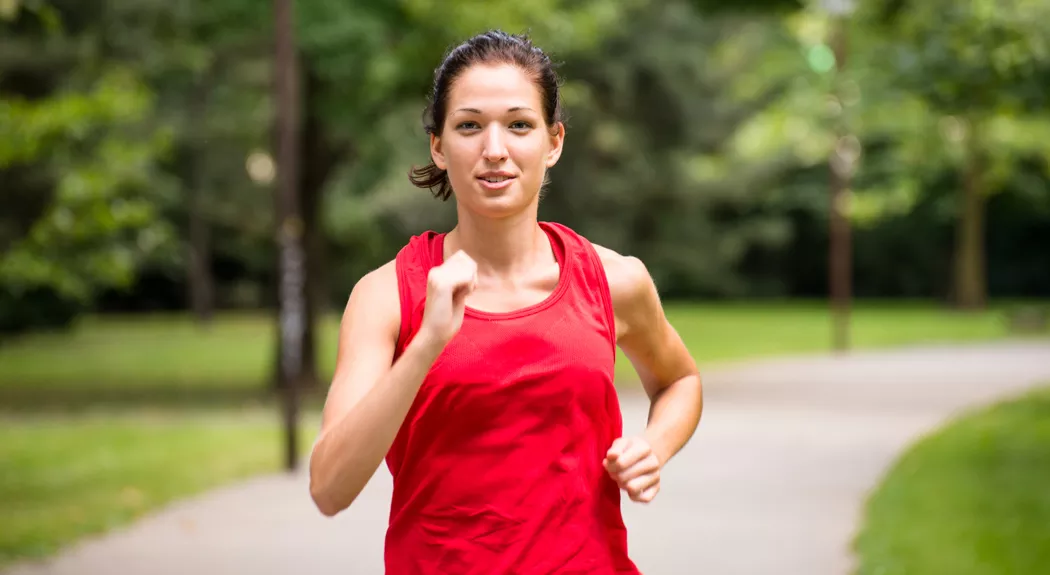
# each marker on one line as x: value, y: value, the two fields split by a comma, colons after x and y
x: 497, y: 467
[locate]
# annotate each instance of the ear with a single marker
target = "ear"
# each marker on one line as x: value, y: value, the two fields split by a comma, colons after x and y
x: 557, y: 140
x: 435, y: 152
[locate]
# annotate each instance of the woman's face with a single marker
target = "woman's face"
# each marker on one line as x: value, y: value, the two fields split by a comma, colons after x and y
x: 495, y: 145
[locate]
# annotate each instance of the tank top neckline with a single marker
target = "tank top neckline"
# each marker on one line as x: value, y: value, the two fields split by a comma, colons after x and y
x: 437, y: 257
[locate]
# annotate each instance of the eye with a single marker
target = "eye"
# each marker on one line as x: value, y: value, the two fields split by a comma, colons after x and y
x: 520, y: 125
x: 468, y: 125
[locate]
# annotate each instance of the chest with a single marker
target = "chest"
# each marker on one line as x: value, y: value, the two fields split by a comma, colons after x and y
x: 556, y: 364
x: 495, y: 295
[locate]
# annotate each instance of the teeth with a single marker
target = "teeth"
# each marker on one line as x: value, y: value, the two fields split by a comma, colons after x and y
x: 496, y: 179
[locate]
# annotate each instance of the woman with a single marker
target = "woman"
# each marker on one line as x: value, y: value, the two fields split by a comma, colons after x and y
x: 479, y: 362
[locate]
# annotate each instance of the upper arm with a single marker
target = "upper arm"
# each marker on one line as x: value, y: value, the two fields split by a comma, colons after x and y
x: 368, y: 335
x: 643, y: 332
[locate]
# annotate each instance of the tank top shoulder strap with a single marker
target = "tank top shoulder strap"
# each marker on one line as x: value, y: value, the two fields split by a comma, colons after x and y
x: 585, y: 273
x: 413, y: 263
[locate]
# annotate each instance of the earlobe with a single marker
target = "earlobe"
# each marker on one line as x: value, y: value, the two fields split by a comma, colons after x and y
x: 435, y: 152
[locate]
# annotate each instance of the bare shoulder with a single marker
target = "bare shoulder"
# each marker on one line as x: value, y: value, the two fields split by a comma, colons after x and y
x: 634, y: 295
x: 628, y: 278
x: 374, y: 305
x: 377, y: 291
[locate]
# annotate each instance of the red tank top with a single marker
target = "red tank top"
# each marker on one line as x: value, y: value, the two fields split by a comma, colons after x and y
x: 497, y: 467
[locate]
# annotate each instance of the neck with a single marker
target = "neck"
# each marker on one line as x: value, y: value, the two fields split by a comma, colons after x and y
x: 500, y: 247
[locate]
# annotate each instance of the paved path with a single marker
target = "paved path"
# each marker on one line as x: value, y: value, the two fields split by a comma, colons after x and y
x: 772, y: 483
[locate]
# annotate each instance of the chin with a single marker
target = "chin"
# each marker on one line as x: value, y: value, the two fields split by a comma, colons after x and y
x: 499, y: 203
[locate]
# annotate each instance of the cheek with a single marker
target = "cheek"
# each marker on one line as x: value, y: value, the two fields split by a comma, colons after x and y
x: 530, y: 154
x: 460, y: 154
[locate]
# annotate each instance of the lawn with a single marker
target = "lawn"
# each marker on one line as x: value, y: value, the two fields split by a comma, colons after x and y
x: 171, y: 352
x: 64, y: 478
x: 970, y: 499
x: 100, y: 465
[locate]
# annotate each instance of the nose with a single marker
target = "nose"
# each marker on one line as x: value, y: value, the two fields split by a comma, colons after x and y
x: 495, y: 149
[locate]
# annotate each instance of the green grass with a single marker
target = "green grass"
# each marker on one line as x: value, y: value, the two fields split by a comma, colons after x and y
x: 146, y: 351
x: 971, y: 499
x: 64, y: 478
x: 171, y: 352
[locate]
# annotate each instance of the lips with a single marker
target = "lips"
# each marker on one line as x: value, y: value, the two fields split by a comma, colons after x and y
x: 495, y: 177
x: 495, y: 181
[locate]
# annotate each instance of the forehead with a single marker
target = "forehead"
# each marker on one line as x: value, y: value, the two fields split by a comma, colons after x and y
x: 487, y: 86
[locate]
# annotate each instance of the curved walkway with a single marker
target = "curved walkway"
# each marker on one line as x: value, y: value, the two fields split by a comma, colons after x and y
x: 773, y: 482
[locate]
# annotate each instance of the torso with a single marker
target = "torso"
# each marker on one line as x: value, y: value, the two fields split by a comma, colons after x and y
x: 498, y: 465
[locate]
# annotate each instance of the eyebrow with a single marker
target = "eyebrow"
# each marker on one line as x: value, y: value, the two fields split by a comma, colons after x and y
x: 477, y: 111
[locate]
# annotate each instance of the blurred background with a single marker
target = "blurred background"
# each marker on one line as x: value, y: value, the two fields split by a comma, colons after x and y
x: 180, y: 179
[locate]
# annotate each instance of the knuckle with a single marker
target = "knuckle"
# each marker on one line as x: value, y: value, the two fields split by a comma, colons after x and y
x: 437, y: 278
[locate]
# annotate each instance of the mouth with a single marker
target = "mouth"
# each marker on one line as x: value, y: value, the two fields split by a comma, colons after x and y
x: 495, y: 181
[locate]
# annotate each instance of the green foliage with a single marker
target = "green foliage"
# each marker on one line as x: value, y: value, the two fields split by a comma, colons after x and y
x: 984, y: 54
x: 101, y: 219
x: 699, y: 133
x: 970, y: 71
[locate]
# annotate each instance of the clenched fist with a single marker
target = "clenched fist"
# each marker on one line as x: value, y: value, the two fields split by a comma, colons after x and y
x: 631, y: 462
x: 448, y: 286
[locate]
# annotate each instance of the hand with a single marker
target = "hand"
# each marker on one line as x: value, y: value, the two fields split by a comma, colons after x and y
x: 635, y: 468
x: 448, y: 286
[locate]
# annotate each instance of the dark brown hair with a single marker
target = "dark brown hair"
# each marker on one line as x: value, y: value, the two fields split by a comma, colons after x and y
x: 493, y: 47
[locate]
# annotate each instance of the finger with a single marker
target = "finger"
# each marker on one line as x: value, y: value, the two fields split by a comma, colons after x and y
x: 648, y: 495
x: 632, y: 454
x: 462, y: 290
x: 464, y: 277
x: 615, y: 450
x: 454, y: 277
x: 461, y: 263
x: 640, y: 484
x: 647, y: 465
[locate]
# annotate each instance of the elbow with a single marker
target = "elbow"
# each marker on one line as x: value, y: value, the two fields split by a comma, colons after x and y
x: 327, y: 501
x: 323, y: 501
x: 325, y: 498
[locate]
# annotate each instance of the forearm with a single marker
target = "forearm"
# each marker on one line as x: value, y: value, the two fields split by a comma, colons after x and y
x: 346, y: 456
x: 673, y: 416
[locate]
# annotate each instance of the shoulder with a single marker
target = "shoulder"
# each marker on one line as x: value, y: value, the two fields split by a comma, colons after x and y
x: 374, y: 299
x: 635, y: 299
x: 628, y: 278
x: 378, y: 282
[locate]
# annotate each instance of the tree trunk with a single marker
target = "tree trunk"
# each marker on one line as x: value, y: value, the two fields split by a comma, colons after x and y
x: 840, y: 251
x: 970, y: 282
x: 201, y: 282
x: 293, y: 320
x: 318, y: 158
x: 199, y: 276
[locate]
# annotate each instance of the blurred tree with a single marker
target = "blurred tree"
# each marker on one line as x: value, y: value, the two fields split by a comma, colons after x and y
x: 980, y: 68
x: 79, y: 162
x: 698, y: 137
x: 644, y: 170
x: 911, y: 121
